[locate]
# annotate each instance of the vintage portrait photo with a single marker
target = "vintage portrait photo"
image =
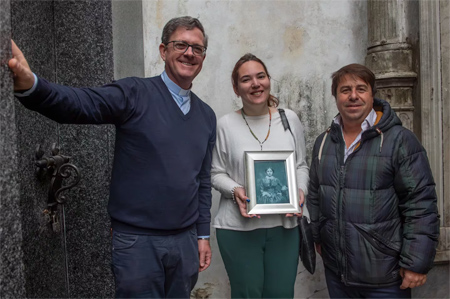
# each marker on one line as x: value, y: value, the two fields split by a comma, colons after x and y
x: 271, y: 182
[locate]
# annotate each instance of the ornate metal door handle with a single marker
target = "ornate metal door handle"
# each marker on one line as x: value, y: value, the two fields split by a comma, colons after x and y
x: 60, y: 169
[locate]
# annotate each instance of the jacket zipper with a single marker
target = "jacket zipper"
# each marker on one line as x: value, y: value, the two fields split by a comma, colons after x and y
x: 341, y: 229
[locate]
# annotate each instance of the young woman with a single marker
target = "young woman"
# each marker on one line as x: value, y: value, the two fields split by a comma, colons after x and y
x: 260, y: 252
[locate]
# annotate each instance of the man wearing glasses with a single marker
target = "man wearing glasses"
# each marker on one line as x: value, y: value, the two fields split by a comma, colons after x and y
x: 160, y: 192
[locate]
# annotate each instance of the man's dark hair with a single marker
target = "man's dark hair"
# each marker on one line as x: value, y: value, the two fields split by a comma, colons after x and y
x: 358, y: 70
x: 186, y: 22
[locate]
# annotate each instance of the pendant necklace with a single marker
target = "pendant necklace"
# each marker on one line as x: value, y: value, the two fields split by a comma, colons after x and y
x: 268, y: 132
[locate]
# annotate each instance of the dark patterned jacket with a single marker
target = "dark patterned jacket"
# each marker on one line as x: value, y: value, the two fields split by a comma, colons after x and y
x: 377, y: 211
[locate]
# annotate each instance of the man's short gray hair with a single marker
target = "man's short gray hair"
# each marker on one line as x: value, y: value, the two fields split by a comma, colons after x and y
x: 186, y: 22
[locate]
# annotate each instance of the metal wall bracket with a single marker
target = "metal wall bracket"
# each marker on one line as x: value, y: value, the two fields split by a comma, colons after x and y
x: 59, y: 168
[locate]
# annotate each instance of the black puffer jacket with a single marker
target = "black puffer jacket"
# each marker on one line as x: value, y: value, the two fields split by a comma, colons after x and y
x: 377, y: 211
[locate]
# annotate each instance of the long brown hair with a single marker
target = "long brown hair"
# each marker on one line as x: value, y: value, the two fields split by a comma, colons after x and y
x: 272, y: 100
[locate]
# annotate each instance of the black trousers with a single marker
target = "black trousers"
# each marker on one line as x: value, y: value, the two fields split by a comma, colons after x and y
x: 336, y: 289
x: 155, y: 266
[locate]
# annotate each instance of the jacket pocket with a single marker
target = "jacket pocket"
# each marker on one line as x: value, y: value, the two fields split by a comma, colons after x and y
x: 377, y: 262
x: 377, y: 243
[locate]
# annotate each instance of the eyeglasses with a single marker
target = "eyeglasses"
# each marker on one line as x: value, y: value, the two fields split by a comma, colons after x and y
x: 181, y: 46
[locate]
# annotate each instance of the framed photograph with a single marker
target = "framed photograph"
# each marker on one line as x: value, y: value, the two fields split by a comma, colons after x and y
x: 271, y: 183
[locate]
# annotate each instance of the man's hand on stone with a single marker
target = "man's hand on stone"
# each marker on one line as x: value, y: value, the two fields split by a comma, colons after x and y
x: 23, y: 77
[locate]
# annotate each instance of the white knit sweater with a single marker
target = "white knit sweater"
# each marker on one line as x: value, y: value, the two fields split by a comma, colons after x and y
x: 228, y: 168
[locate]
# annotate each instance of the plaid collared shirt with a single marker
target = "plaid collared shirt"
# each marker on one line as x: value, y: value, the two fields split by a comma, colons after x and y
x: 366, y: 124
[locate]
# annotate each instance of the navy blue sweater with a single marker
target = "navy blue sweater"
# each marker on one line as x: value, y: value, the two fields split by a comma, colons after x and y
x: 161, y: 173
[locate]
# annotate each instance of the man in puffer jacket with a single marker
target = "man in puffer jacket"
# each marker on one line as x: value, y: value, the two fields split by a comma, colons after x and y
x: 371, y: 196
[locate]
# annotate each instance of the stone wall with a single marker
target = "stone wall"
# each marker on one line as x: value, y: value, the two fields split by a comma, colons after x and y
x: 11, y: 264
x: 67, y: 42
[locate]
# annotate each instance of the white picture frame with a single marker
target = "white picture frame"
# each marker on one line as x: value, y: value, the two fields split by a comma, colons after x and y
x: 275, y: 191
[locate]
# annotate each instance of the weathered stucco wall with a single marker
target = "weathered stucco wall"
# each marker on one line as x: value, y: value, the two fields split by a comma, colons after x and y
x: 301, y: 42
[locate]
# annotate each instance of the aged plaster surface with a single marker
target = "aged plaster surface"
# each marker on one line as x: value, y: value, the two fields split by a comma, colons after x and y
x: 301, y: 42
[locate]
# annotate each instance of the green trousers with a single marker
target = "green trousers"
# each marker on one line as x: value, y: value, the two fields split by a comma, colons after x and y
x: 261, y: 263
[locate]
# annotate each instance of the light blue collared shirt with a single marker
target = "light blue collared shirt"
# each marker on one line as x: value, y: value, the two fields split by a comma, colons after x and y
x: 181, y: 96
x: 366, y: 124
